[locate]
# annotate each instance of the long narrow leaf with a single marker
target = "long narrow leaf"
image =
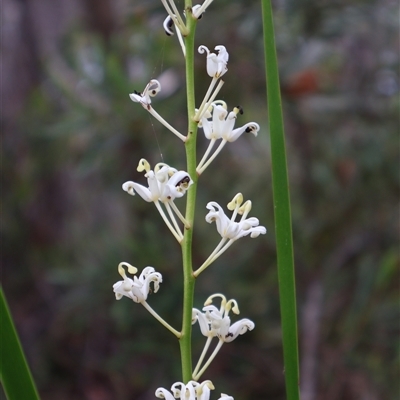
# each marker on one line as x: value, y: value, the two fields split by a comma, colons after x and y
x: 283, y: 223
x: 15, y: 375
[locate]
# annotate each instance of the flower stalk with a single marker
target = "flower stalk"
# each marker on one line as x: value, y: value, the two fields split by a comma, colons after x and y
x: 190, y: 147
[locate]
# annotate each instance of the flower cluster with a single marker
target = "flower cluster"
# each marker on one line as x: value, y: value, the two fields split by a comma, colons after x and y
x: 136, y: 289
x: 228, y: 228
x: 217, y: 124
x: 191, y: 391
x: 165, y: 185
x: 216, y: 322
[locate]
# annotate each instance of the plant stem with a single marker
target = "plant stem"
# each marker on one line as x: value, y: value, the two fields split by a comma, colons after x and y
x: 190, y: 146
x: 283, y: 223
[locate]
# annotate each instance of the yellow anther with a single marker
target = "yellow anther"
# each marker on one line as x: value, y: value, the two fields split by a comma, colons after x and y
x: 236, y: 202
x: 245, y: 208
x: 143, y: 165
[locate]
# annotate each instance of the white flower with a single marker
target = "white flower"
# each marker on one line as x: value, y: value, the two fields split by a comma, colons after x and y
x: 191, y: 391
x: 165, y: 183
x: 216, y: 64
x: 216, y: 322
x: 228, y: 228
x: 137, y: 289
x: 222, y: 124
x: 151, y: 90
x: 217, y: 123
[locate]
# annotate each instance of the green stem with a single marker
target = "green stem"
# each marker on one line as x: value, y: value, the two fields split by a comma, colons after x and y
x: 190, y: 145
x: 15, y: 374
x: 283, y: 224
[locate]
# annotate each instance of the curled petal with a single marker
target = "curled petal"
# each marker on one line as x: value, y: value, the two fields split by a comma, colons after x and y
x: 128, y: 187
x: 163, y: 172
x: 204, y: 389
x: 238, y: 328
x: 249, y: 223
x: 257, y: 231
x: 225, y: 397
x: 168, y: 24
x: 190, y: 391
x: 217, y: 215
x: 199, y: 10
x: 202, y: 49
x: 141, y: 190
x: 225, y: 227
x: 123, y: 288
x: 208, y: 128
x: 162, y: 393
x: 151, y: 90
x: 220, y: 124
x: 253, y: 232
x: 223, y: 55
x: 251, y: 127
x: 204, y: 323
x: 216, y: 64
x: 141, y: 286
x: 196, y: 11
x: 175, y: 390
x: 177, y: 186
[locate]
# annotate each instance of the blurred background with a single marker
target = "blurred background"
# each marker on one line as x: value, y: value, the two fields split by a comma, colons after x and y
x: 71, y: 137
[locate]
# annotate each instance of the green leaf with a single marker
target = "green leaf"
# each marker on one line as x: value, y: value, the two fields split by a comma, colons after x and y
x: 283, y: 223
x: 15, y: 375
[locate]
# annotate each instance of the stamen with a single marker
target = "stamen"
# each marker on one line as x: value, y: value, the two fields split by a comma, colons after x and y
x: 238, y: 109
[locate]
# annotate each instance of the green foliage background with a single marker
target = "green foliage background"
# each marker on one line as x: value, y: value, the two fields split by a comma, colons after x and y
x: 72, y: 137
